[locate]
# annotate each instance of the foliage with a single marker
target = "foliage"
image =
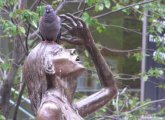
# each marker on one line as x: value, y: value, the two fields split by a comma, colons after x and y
x: 124, y: 103
x: 156, y: 28
x: 99, y: 4
x: 2, y: 117
x: 128, y: 107
x: 16, y: 21
x: 93, y: 22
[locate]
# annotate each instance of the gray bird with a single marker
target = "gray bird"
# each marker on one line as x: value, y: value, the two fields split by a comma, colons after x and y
x: 50, y: 25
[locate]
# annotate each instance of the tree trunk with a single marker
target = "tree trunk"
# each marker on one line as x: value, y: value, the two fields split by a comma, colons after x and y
x: 5, y: 90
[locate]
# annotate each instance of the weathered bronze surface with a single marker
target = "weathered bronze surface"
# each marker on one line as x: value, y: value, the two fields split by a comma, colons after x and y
x: 50, y: 72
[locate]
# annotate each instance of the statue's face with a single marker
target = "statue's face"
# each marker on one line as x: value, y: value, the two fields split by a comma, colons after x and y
x: 67, y: 63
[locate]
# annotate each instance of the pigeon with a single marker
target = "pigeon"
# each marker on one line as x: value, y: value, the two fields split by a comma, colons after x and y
x: 50, y: 25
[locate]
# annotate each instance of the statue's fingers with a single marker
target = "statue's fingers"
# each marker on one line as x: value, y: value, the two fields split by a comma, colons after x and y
x: 65, y: 33
x: 79, y: 24
x: 74, y: 18
x: 79, y: 21
x: 72, y: 40
x: 82, y: 23
x: 73, y: 23
x: 67, y: 27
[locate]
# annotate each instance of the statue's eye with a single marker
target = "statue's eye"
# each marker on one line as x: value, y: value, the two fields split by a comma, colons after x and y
x: 72, y: 52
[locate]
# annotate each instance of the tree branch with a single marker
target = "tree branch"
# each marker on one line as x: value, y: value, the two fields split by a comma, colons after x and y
x: 36, y: 3
x: 2, y: 71
x: 18, y: 53
x: 145, y: 104
x: 129, y: 6
x: 127, y: 29
x: 126, y: 113
x: 22, y: 4
x: 122, y: 76
x: 1, y: 61
x: 6, y: 89
x: 18, y: 102
x: 121, y: 52
x: 61, y: 5
x: 86, y: 9
x: 78, y: 8
x: 26, y: 39
x: 32, y: 35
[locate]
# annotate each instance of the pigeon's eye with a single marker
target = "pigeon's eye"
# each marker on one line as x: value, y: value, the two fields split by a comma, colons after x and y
x: 47, y: 10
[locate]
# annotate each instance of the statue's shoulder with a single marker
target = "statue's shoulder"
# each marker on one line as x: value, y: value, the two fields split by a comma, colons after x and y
x: 50, y: 111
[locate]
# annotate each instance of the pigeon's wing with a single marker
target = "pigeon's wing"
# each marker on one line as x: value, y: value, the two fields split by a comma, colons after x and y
x: 42, y: 28
x: 58, y: 37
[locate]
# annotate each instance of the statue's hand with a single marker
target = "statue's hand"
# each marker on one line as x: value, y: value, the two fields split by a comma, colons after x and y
x: 78, y: 30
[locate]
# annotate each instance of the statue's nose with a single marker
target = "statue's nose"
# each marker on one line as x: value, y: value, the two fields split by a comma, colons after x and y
x: 78, y: 58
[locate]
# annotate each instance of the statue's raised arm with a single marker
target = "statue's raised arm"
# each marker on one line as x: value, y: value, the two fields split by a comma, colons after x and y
x: 109, y: 90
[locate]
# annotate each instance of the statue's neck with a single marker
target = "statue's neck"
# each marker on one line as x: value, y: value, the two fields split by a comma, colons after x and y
x: 64, y: 88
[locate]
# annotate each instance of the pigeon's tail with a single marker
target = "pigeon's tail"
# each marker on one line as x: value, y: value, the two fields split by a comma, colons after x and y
x: 58, y: 37
x: 41, y: 37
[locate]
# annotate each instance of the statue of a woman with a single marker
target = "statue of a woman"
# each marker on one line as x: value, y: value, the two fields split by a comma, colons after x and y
x: 50, y: 72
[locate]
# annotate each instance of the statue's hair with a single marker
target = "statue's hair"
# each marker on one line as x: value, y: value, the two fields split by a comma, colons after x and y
x: 34, y: 74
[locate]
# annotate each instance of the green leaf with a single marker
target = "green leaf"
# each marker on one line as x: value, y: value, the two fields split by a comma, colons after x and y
x: 107, y: 3
x: 86, y: 54
x: 145, y: 77
x: 34, y: 23
x: 85, y: 16
x: 100, y: 28
x: 99, y: 7
x: 2, y: 117
x: 15, y: 14
x: 40, y: 10
x: 118, y: 6
x: 55, y: 3
x: 1, y: 3
x: 21, y: 30
x: 156, y: 72
x: 5, y: 66
x: 138, y: 56
x: 159, y: 57
x: 88, y: 19
x: 90, y: 2
x: 162, y: 86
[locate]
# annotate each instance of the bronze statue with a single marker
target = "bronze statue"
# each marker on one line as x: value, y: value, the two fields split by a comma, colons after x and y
x: 50, y: 72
